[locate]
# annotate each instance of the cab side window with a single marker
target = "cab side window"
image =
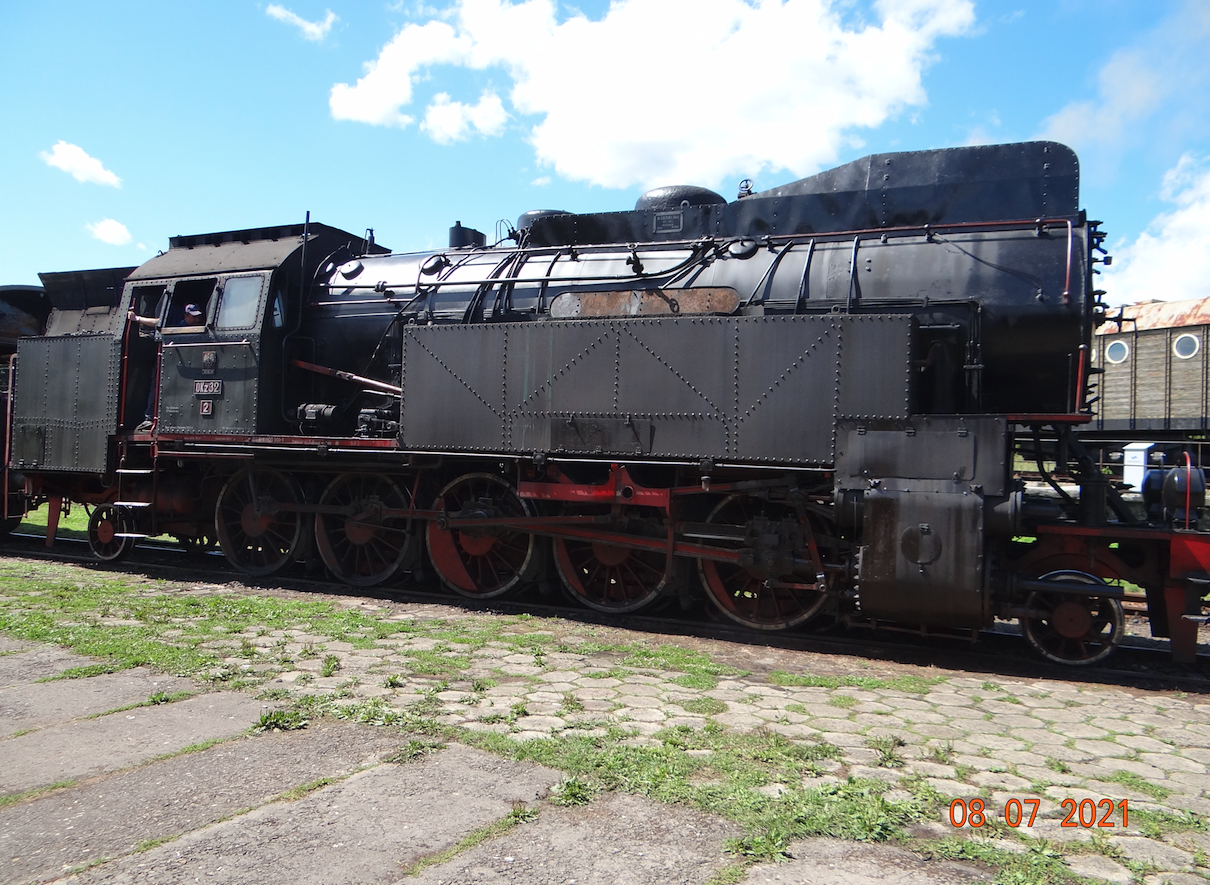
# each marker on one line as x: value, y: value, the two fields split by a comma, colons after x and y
x: 190, y: 302
x: 146, y: 300
x: 239, y: 305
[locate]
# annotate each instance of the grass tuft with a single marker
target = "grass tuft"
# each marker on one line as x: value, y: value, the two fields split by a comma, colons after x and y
x: 281, y: 720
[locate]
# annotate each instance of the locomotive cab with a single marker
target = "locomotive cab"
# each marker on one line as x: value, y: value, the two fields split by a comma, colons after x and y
x: 225, y: 305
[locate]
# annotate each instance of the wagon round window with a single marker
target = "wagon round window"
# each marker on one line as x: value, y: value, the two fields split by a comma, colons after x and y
x: 1186, y: 346
x: 1117, y: 351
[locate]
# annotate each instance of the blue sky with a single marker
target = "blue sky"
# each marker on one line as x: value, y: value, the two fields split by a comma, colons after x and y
x: 129, y: 122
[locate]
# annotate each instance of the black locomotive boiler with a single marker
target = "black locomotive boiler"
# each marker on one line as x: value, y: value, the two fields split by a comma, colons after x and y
x: 810, y: 398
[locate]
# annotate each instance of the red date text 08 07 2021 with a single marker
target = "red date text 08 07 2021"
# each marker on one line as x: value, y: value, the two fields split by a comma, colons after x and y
x: 1085, y: 813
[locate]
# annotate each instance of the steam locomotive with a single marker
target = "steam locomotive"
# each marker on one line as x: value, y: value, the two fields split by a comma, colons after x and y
x: 812, y: 398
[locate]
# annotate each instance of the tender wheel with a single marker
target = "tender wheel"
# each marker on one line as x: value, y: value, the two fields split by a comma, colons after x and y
x: 1071, y: 629
x: 106, y: 526
x: 258, y: 535
x: 607, y: 578
x: 361, y: 546
x: 765, y: 595
x: 487, y: 563
x: 8, y: 526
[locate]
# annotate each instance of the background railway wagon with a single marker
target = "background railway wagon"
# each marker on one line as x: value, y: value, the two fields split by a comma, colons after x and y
x: 1154, y: 365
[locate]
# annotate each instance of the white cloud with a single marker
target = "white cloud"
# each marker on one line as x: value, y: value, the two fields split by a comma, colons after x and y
x: 310, y: 30
x: 76, y: 162
x: 541, y: 181
x: 447, y: 121
x: 109, y: 231
x: 1146, y: 92
x: 1170, y: 260
x: 387, y: 84
x: 632, y: 98
x: 1129, y: 90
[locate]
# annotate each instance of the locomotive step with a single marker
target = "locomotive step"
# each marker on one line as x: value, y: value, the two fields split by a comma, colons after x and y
x: 138, y: 471
x: 130, y: 535
x: 131, y: 503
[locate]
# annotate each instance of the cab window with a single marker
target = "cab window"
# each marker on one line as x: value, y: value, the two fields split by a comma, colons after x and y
x: 239, y: 305
x: 189, y: 307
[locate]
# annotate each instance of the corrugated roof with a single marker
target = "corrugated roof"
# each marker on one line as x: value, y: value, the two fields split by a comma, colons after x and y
x: 1158, y: 315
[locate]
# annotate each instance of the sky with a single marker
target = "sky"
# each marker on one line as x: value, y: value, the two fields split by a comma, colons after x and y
x: 126, y: 123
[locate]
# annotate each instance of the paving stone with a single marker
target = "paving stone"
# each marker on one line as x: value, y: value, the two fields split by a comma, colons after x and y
x: 544, y: 724
x: 832, y: 862
x: 981, y: 763
x: 1173, y: 762
x: 1096, y: 866
x: 1117, y: 791
x: 694, y: 722
x: 1198, y: 754
x: 1118, y: 726
x: 1142, y: 769
x: 629, y: 700
x: 930, y: 769
x: 792, y: 730
x: 641, y: 714
x: 39, y: 704
x: 331, y: 836
x: 1046, y: 775
x: 1103, y: 748
x: 118, y: 740
x: 607, y: 682
x: 1000, y: 779
x: 947, y: 787
x: 878, y: 720
x: 890, y: 775
x: 948, y: 699
x: 860, y: 755
x: 773, y: 791
x: 1174, y: 879
x: 873, y: 707
x: 1161, y: 854
x: 938, y: 731
x: 923, y: 716
x: 836, y: 725
x: 842, y: 739
x: 1050, y: 827
x: 1143, y: 743
x: 900, y: 703
x: 962, y: 715
x: 982, y: 727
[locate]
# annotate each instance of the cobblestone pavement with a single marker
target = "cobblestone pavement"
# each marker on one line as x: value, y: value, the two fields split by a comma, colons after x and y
x: 1113, y: 780
x: 1017, y: 744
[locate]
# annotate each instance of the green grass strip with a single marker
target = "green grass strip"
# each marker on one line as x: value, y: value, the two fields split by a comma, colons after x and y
x: 519, y: 815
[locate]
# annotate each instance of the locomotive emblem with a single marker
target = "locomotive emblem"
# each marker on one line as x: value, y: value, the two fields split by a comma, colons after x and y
x: 209, y: 361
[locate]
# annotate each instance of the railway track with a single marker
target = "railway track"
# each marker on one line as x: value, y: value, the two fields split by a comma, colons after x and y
x: 1140, y: 661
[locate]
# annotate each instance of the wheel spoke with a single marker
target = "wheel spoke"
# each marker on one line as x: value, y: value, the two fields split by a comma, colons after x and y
x: 742, y: 593
x: 259, y: 543
x: 481, y: 565
x: 1101, y: 633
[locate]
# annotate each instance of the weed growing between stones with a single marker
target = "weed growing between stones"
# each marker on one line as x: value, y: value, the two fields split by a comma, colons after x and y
x: 907, y: 683
x: 413, y: 751
x: 573, y: 791
x: 1139, y: 784
x: 280, y: 720
x: 520, y: 814
x: 1039, y: 865
x: 887, y: 749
